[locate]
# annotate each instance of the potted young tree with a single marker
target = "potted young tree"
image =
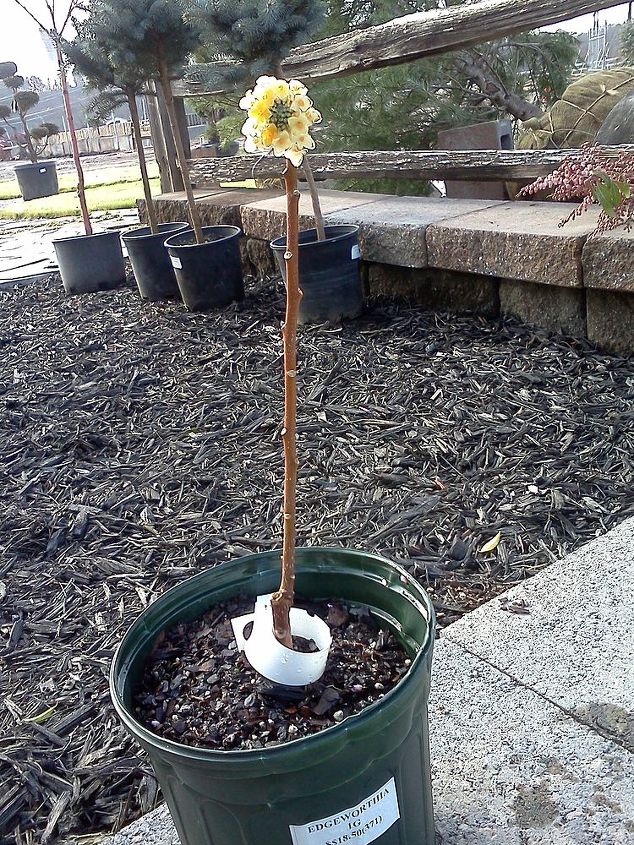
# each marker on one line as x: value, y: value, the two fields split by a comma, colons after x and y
x: 36, y: 178
x: 121, y: 78
x: 258, y: 37
x: 156, y: 35
x: 270, y: 746
x: 93, y: 261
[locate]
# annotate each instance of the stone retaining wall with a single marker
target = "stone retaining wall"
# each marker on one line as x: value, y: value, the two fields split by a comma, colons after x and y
x: 482, y: 256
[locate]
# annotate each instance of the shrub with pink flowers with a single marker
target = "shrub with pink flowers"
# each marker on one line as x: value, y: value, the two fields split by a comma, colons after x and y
x: 593, y: 175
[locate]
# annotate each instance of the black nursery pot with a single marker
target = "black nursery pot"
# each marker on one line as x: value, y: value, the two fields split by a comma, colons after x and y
x: 366, y: 778
x: 90, y: 263
x: 37, y: 180
x: 328, y: 273
x: 151, y: 262
x: 209, y: 275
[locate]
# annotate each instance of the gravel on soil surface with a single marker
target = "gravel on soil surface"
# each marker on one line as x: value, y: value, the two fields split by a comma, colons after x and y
x: 199, y: 690
x: 141, y: 443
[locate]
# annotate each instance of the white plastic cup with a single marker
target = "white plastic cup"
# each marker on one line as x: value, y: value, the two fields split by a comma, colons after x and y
x: 272, y: 659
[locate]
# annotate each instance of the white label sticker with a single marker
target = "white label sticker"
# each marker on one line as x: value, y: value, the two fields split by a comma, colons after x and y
x: 356, y: 252
x: 176, y: 262
x: 357, y: 825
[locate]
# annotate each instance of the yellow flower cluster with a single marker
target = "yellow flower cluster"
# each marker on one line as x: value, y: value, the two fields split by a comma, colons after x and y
x: 280, y: 118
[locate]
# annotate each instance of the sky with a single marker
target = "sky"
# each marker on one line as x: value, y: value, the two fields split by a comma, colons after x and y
x: 20, y: 40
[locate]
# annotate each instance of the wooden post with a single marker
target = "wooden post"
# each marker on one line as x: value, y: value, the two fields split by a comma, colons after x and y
x: 158, y: 142
x: 282, y: 600
x: 194, y: 213
x: 176, y: 176
x: 162, y: 139
x: 181, y: 114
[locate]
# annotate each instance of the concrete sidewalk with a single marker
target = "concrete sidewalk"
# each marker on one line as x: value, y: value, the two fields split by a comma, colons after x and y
x: 532, y: 713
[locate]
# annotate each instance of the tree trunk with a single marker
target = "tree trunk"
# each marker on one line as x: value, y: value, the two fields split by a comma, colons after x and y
x: 29, y: 142
x: 282, y: 600
x: 481, y: 75
x: 415, y: 36
x: 166, y: 87
x: 138, y: 140
x: 81, y: 184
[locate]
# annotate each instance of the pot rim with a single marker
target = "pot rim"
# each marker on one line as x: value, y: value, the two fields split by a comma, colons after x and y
x: 26, y: 164
x: 114, y: 233
x: 133, y: 234
x: 236, y: 231
x: 199, y: 754
x: 351, y: 229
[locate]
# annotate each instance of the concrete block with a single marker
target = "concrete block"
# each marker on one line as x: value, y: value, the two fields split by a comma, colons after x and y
x: 510, y: 768
x: 216, y: 207
x: 436, y: 288
x: 611, y: 320
x: 513, y: 240
x: 575, y: 645
x: 557, y: 309
x: 489, y: 135
x: 266, y: 218
x: 155, y: 828
x: 608, y: 261
x: 393, y: 229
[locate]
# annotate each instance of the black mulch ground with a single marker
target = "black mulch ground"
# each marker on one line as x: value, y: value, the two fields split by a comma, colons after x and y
x: 140, y: 443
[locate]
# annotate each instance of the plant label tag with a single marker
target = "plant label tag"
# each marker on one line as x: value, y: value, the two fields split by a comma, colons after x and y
x: 176, y: 262
x: 356, y: 252
x: 356, y: 825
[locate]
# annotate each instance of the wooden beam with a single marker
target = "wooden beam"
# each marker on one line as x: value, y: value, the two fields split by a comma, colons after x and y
x: 410, y: 37
x: 436, y: 164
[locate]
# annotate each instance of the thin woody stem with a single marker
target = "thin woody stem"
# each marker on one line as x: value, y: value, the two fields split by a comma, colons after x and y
x: 282, y: 600
x: 194, y: 214
x: 136, y: 128
x: 81, y: 185
x: 314, y: 195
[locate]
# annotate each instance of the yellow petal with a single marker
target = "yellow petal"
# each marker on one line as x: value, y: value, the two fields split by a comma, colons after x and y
x: 282, y: 142
x: 269, y: 134
x: 296, y: 87
x: 295, y: 156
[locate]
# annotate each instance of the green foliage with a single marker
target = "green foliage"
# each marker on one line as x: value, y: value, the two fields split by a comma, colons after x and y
x: 229, y: 127
x: 25, y: 101
x: 143, y: 34
x: 34, y: 139
x: 104, y: 103
x: 535, y: 65
x: 14, y: 82
x: 610, y: 193
x: 627, y: 42
x: 44, y: 131
x: 257, y: 33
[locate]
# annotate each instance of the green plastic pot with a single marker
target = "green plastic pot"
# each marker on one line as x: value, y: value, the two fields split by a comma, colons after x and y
x: 331, y: 788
